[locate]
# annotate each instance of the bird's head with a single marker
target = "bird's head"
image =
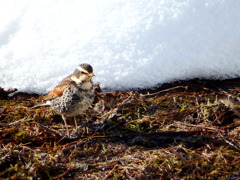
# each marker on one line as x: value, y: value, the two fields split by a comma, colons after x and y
x: 83, y: 73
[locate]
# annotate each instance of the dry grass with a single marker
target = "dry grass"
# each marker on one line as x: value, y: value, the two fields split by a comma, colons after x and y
x: 183, y: 130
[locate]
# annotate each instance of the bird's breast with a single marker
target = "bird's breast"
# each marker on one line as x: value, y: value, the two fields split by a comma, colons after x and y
x: 74, y: 101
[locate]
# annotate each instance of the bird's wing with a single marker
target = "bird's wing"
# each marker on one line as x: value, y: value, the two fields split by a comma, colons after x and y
x: 59, y: 89
x: 56, y: 92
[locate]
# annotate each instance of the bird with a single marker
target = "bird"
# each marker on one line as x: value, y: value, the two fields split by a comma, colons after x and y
x: 73, y: 95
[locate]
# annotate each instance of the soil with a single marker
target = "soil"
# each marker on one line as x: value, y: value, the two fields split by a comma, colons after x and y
x: 180, y: 130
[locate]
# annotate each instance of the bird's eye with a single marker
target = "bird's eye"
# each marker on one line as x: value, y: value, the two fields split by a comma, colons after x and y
x: 83, y: 72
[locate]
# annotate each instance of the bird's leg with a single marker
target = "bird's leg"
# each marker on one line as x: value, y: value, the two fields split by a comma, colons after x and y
x: 65, y: 122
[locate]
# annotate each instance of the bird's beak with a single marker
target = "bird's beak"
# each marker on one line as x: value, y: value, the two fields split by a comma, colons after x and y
x: 90, y: 75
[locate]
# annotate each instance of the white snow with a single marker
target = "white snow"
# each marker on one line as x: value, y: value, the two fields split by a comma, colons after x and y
x: 129, y: 43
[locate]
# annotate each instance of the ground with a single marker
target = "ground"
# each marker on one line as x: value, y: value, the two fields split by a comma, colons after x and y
x: 181, y: 130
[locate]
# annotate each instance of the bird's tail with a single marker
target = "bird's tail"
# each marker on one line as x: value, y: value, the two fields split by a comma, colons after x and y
x: 40, y: 105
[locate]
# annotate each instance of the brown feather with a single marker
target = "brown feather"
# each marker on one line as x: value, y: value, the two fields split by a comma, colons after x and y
x: 58, y: 90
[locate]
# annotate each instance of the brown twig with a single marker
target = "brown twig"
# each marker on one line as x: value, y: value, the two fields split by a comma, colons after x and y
x: 50, y: 131
x: 164, y: 91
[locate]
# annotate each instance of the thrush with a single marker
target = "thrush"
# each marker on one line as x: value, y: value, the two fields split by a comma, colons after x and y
x: 73, y: 95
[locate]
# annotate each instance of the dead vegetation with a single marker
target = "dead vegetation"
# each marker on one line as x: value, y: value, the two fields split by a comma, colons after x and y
x: 183, y: 130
